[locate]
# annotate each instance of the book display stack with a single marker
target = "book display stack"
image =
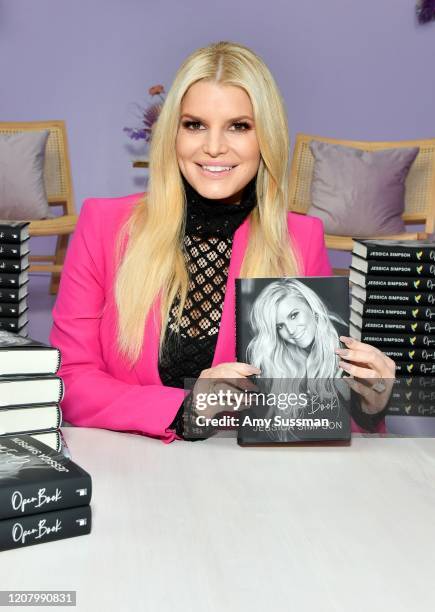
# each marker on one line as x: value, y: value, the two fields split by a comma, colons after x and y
x: 44, y: 496
x: 14, y: 263
x: 30, y: 391
x: 393, y: 301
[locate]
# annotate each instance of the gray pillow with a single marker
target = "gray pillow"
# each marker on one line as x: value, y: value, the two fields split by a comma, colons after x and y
x: 22, y: 189
x: 359, y: 193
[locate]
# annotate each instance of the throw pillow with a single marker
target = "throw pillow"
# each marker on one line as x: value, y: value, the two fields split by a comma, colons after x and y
x: 359, y: 193
x: 22, y: 189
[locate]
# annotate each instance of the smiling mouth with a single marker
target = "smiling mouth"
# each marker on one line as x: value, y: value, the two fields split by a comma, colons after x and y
x: 217, y: 170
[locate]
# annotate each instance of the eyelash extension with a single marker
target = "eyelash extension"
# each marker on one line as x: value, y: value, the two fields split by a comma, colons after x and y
x: 188, y: 123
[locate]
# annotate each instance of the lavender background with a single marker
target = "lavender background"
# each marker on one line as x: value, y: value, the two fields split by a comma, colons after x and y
x: 358, y: 70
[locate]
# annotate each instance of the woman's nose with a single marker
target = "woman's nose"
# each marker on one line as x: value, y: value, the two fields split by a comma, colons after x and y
x: 214, y: 142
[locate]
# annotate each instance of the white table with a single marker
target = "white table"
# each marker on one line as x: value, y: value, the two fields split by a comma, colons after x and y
x: 208, y: 526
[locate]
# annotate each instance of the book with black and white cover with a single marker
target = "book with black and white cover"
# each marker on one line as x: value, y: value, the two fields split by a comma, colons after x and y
x: 29, y: 419
x: 53, y: 439
x: 22, y: 390
x: 13, y: 324
x: 14, y: 251
x: 408, y: 354
x: 393, y: 268
x: 11, y: 309
x: 390, y: 339
x: 396, y: 250
x: 289, y: 328
x: 13, y: 295
x: 415, y: 368
x: 24, y: 356
x: 14, y: 280
x: 34, y: 478
x: 386, y: 311
x: 45, y: 527
x: 409, y: 298
x: 14, y: 231
x: 394, y: 326
x: 391, y: 283
x: 14, y: 266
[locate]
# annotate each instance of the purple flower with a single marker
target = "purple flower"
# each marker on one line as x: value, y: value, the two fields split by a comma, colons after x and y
x: 148, y: 116
x: 426, y: 11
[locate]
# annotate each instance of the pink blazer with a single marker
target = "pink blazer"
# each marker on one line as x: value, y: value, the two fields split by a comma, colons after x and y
x: 101, y: 390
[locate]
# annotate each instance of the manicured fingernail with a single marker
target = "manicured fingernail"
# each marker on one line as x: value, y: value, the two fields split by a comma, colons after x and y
x: 346, y: 339
x: 345, y: 366
x: 342, y: 352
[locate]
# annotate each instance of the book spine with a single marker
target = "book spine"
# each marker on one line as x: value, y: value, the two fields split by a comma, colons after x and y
x: 397, y: 325
x: 415, y: 368
x: 22, y: 499
x: 401, y: 253
x: 45, y: 527
x: 381, y: 268
x: 11, y: 234
x: 399, y: 354
x: 398, y: 283
x: 400, y: 297
x: 13, y: 266
x: 9, y: 280
x: 400, y: 312
x: 10, y: 296
x: 9, y: 310
x: 380, y: 338
x: 10, y: 324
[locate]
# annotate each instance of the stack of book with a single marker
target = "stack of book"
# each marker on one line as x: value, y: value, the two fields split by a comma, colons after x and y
x: 30, y: 391
x: 393, y: 301
x: 14, y: 262
x: 44, y: 496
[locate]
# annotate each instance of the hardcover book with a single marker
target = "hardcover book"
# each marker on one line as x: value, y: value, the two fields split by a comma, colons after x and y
x: 13, y: 324
x: 14, y: 266
x: 26, y: 419
x: 22, y: 390
x: 396, y: 250
x: 13, y: 296
x: 52, y: 439
x: 289, y: 329
x: 14, y: 231
x: 14, y: 251
x: 394, y: 326
x: 409, y: 298
x: 13, y: 280
x: 13, y: 310
x: 45, y: 527
x: 24, y: 356
x: 394, y: 283
x: 34, y: 479
x: 415, y: 368
x: 403, y: 354
x: 393, y: 268
x: 386, y: 311
x: 388, y: 339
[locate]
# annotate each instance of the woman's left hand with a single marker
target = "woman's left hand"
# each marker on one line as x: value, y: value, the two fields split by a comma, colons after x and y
x: 364, y: 361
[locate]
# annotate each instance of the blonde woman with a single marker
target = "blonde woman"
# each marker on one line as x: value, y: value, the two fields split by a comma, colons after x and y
x: 147, y: 292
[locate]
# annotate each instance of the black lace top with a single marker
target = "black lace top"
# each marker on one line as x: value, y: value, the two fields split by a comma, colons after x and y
x: 210, y: 227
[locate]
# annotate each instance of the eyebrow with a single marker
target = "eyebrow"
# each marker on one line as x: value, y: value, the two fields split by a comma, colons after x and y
x: 230, y: 120
x: 288, y: 315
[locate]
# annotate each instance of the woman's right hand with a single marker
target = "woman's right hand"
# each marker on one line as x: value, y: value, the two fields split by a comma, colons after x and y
x: 224, y: 377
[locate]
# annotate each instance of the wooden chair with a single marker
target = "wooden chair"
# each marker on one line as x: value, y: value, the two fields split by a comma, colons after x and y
x: 420, y: 185
x: 57, y: 175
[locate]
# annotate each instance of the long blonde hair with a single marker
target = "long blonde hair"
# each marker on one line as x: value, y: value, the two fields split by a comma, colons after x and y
x: 152, y: 265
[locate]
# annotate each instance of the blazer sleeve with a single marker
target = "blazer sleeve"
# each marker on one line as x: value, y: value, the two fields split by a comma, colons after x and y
x: 93, y: 397
x: 316, y: 259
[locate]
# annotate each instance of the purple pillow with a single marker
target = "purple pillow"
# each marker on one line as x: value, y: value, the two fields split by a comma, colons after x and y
x: 359, y: 193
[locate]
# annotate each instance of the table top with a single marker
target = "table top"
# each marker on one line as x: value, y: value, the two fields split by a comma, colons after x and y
x: 209, y: 526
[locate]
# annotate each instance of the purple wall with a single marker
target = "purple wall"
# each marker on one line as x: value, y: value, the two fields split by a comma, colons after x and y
x: 346, y: 69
